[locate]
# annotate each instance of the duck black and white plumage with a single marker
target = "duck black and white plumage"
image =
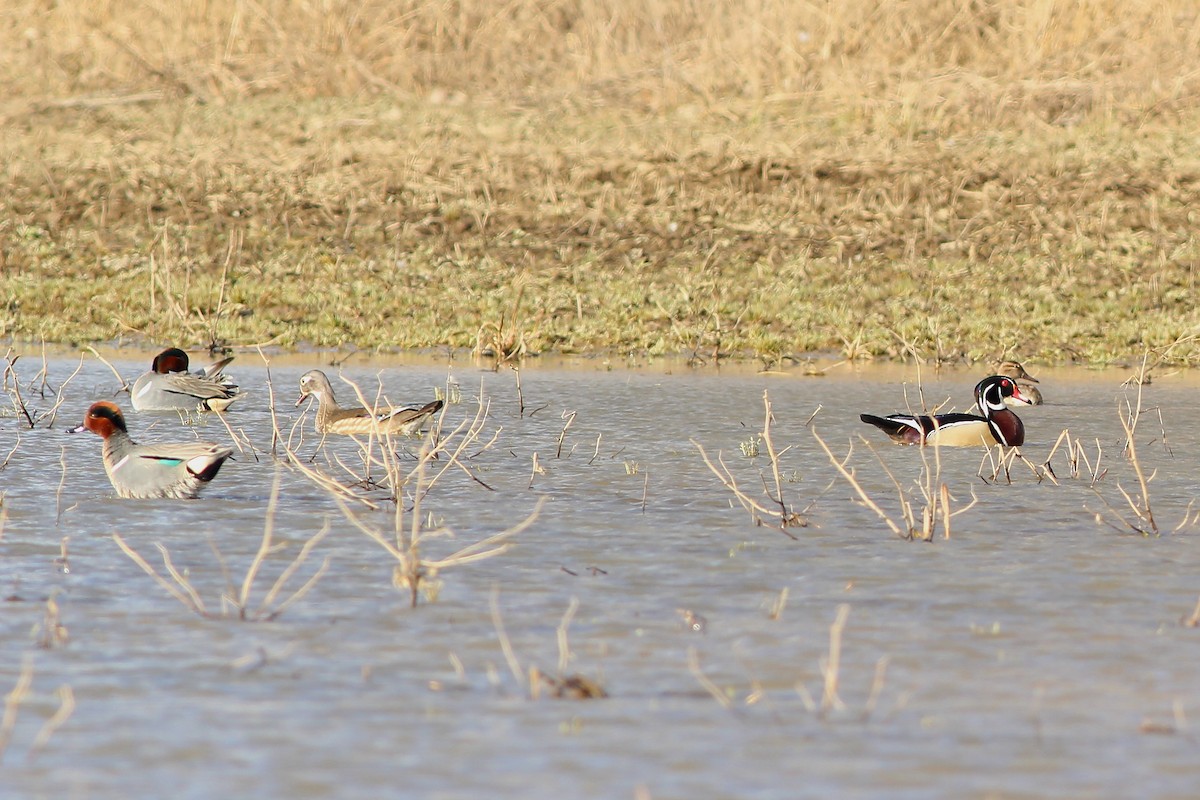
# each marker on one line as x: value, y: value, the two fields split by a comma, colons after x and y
x: 995, y: 424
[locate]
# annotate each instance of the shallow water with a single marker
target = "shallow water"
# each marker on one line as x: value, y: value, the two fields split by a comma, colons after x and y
x: 1036, y: 652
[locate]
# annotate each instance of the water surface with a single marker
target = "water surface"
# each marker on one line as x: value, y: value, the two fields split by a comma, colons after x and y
x: 1036, y: 652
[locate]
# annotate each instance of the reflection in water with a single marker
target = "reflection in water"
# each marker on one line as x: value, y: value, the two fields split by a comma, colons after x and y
x: 1025, y: 652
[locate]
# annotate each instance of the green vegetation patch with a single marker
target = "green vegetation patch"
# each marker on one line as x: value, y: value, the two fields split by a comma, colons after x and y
x: 965, y: 200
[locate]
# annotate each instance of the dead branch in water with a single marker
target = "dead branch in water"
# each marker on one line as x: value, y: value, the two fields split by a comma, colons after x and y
x: 776, y: 509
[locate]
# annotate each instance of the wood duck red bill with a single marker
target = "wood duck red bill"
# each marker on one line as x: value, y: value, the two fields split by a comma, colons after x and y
x: 997, y: 425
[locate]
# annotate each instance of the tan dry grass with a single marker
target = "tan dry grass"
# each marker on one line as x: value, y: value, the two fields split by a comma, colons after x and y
x: 1068, y: 55
x: 768, y: 178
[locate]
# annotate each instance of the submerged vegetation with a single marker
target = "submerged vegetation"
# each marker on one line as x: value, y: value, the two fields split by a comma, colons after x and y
x: 860, y: 178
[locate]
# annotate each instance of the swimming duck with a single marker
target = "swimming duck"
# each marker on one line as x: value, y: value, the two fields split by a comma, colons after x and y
x: 1025, y: 381
x: 168, y: 386
x: 998, y: 425
x: 332, y: 418
x: 177, y: 471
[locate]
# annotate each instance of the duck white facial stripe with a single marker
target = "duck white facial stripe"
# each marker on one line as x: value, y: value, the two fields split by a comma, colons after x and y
x: 991, y: 398
x: 999, y: 434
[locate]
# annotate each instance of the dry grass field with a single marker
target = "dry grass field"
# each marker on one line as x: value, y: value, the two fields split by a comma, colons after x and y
x: 757, y: 179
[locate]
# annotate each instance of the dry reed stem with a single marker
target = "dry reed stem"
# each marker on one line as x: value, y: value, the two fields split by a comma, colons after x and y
x: 52, y: 413
x: 53, y: 632
x: 569, y: 417
x: 264, y: 548
x: 1193, y: 620
x: 535, y: 471
x: 9, y: 360
x: 189, y: 598
x: 327, y: 483
x: 1190, y: 517
x: 758, y: 511
x: 1141, y: 507
x: 831, y: 666
x: 1075, y: 454
x: 15, y: 391
x: 269, y: 600
x: 464, y: 435
x: 66, y: 707
x: 520, y: 394
x: 1135, y: 412
x: 784, y: 517
x: 11, y: 452
x: 1001, y: 459
x: 63, y: 562
x: 412, y: 569
x: 12, y: 703
x: 238, y: 441
x: 12, y: 383
x: 1047, y: 466
x: 180, y: 578
x: 269, y: 609
x: 107, y: 363
x: 775, y: 612
x: 932, y: 496
x: 706, y: 682
x: 564, y: 648
x: 944, y: 496
x: 848, y: 474
x: 484, y: 548
x: 510, y: 656
x: 1162, y: 432
x: 876, y: 686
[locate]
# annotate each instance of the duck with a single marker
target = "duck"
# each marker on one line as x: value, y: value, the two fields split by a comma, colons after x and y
x: 178, y: 471
x: 168, y: 386
x: 1014, y: 370
x: 998, y: 424
x: 333, y: 418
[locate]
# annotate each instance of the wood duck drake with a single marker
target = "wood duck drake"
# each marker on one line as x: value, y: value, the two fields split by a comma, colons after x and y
x: 168, y: 386
x: 176, y: 470
x: 1025, y: 381
x: 333, y: 418
x: 998, y: 425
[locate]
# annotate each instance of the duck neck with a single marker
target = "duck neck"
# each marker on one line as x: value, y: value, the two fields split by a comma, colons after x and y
x: 117, y: 444
x: 327, y: 408
x: 1006, y: 427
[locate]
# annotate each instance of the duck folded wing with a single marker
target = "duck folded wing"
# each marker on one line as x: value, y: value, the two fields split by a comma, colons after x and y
x: 954, y: 430
x: 198, y: 457
x: 198, y: 387
x: 401, y: 416
x: 901, y: 427
x: 214, y: 371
